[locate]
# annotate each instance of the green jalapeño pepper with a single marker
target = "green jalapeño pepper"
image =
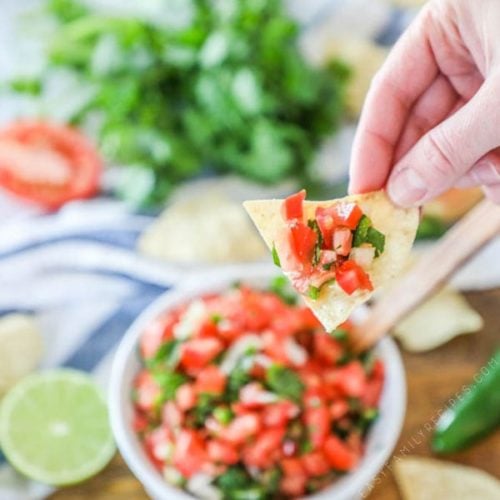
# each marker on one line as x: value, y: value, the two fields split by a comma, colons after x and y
x: 474, y: 414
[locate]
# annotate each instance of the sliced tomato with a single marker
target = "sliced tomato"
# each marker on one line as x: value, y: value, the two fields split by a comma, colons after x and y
x: 342, y: 241
x: 303, y: 239
x: 210, y: 380
x: 293, y: 206
x: 317, y: 420
x: 47, y: 163
x: 315, y: 463
x: 339, y: 455
x: 197, y: 353
x: 147, y: 391
x: 222, y: 452
x: 157, y: 332
x: 266, y: 448
x: 185, y: 397
x: 190, y: 452
x: 352, y: 277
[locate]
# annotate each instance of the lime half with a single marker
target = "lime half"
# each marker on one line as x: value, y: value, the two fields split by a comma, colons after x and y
x: 54, y: 427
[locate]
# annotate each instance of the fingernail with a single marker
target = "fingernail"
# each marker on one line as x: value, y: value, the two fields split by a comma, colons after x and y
x: 407, y: 188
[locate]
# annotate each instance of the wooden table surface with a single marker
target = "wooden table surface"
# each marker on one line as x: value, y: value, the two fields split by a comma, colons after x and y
x: 432, y: 379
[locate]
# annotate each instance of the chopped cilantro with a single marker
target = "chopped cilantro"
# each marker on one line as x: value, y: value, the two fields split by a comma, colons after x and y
x: 313, y: 292
x: 276, y: 257
x: 430, y: 228
x: 223, y: 414
x: 216, y: 318
x: 169, y: 383
x: 377, y: 239
x: 285, y: 382
x: 340, y: 334
x: 313, y: 224
x: 236, y: 380
x: 361, y: 232
x: 281, y: 287
x: 205, y: 405
x: 167, y: 356
x: 234, y: 478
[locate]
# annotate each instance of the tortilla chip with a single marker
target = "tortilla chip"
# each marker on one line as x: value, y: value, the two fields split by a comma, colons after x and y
x: 426, y: 478
x: 438, y: 320
x: 333, y: 305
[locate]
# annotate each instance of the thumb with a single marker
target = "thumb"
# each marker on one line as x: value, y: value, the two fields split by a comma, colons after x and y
x: 449, y: 150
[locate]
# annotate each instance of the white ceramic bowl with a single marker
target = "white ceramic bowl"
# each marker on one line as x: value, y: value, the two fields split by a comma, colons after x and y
x: 380, y: 441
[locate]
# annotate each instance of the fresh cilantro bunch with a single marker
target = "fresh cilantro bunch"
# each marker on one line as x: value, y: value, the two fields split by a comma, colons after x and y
x: 224, y: 89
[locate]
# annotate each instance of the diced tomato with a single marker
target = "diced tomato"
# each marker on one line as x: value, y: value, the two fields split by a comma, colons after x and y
x: 293, y: 485
x: 197, y: 353
x: 346, y: 214
x: 292, y: 208
x: 190, y: 453
x: 371, y: 395
x: 140, y: 422
x: 208, y: 330
x: 315, y: 463
x: 172, y: 416
x: 274, y: 347
x: 155, y: 333
x: 326, y: 225
x: 303, y: 240
x: 317, y: 420
x: 292, y: 467
x: 147, y: 390
x: 185, y: 397
x: 222, y: 452
x: 242, y: 428
x: 149, y: 447
x: 342, y: 241
x: 161, y: 445
x: 278, y: 414
x: 327, y: 257
x: 339, y: 455
x: 352, y: 277
x: 266, y: 448
x: 339, y: 409
x: 326, y: 348
x: 351, y: 379
x: 210, y: 380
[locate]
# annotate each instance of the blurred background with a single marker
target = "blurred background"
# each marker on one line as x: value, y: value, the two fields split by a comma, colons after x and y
x: 183, y: 109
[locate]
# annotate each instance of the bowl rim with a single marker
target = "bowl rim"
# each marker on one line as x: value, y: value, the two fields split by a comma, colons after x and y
x: 350, y: 486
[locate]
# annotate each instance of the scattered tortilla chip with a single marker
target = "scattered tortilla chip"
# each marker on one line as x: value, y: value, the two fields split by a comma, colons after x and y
x: 334, y: 306
x: 427, y: 478
x: 443, y: 317
x: 20, y: 349
x: 204, y: 229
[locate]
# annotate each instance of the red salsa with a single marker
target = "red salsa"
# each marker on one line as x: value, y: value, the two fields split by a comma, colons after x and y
x: 338, y: 244
x: 245, y: 392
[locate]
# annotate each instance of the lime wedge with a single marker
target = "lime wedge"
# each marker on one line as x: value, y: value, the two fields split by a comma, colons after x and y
x: 54, y: 427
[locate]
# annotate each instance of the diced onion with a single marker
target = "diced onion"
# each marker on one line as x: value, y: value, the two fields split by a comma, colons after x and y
x: 238, y: 350
x: 363, y: 256
x: 201, y: 485
x: 191, y: 320
x: 295, y: 353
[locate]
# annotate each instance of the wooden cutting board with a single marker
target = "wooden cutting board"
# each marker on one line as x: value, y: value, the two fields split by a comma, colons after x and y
x: 433, y: 378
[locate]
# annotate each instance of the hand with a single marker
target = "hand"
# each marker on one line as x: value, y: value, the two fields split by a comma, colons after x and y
x: 431, y: 119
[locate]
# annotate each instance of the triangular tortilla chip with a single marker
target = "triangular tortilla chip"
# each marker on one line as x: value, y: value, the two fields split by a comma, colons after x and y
x: 426, y: 478
x: 399, y: 225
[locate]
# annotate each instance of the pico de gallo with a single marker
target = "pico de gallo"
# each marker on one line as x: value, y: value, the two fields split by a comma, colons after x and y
x: 243, y: 395
x: 338, y: 244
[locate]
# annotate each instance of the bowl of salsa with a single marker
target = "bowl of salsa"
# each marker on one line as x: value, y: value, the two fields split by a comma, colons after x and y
x: 230, y: 388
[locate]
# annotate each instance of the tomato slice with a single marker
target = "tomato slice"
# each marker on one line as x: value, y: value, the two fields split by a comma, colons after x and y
x: 352, y: 277
x: 303, y: 240
x: 48, y: 164
x: 292, y: 208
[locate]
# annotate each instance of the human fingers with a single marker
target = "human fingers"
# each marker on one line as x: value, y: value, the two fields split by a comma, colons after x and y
x: 437, y: 103
x: 485, y: 172
x: 449, y: 150
x: 409, y: 70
